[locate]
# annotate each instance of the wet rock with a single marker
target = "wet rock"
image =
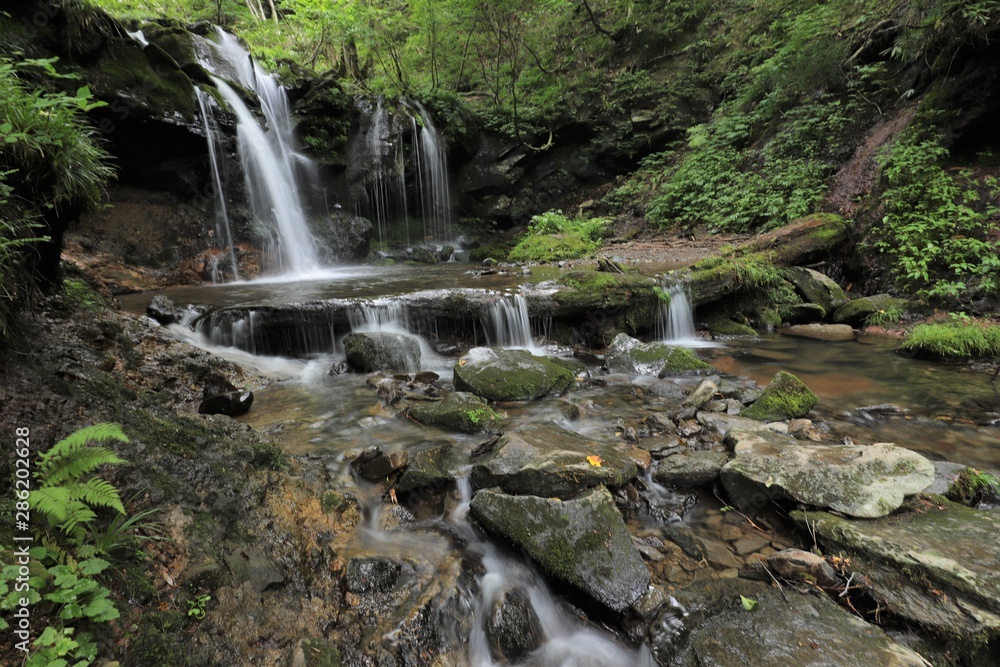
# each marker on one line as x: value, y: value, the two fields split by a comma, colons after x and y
x: 220, y: 397
x: 801, y: 314
x: 377, y: 575
x: 661, y: 446
x: 689, y: 407
x: 723, y: 424
x: 424, y: 256
x: 690, y: 469
x: 374, y: 465
x: 858, y: 480
x: 786, y: 397
x: 380, y: 351
x: 345, y: 236
x: 254, y: 566
x: 808, y: 630
x: 817, y: 288
x: 582, y: 542
x: 510, y: 375
x: 458, y: 410
x: 666, y: 389
x: 946, y: 473
x: 546, y: 460
x: 873, y: 412
x: 854, y: 312
x: 934, y: 563
x: 163, y: 310
x: 799, y: 565
x: 832, y: 332
x: 629, y: 355
x: 513, y: 629
x: 339, y: 368
x: 427, y: 472
x: 313, y: 652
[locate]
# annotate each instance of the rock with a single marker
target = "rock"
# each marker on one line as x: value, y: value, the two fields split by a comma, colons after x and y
x: 832, y: 332
x: 339, y: 368
x: 163, y: 310
x: 855, y: 312
x: 374, y: 466
x: 642, y: 458
x: 665, y: 389
x: 220, y: 397
x: 817, y: 288
x: 660, y: 447
x: 799, y: 565
x: 379, y: 351
x: 509, y: 375
x: 427, y: 472
x: 378, y: 575
x: 458, y: 410
x: 808, y: 630
x: 313, y: 652
x: 690, y: 469
x: 424, y: 256
x: 513, y: 629
x: 582, y: 542
x: 723, y: 424
x: 345, y: 236
x: 786, y: 397
x: 254, y: 566
x: 802, y: 313
x: 543, y: 459
x: 935, y: 564
x: 689, y: 406
x: 858, y: 480
x: 629, y: 355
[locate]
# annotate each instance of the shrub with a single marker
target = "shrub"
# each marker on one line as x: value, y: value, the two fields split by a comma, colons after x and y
x: 552, y: 236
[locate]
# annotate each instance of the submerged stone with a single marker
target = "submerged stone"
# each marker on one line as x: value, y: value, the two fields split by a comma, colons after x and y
x: 858, y: 480
x: 497, y: 374
x: 543, y: 459
x: 786, y: 397
x: 379, y: 351
x: 582, y: 542
x: 458, y: 410
x: 629, y: 355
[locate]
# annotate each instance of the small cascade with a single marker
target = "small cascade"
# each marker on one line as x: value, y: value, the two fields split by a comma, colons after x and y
x: 391, y: 316
x: 305, y: 333
x: 222, y: 229
x: 432, y: 170
x: 276, y: 174
x: 675, y: 323
x: 509, y: 324
x: 138, y: 36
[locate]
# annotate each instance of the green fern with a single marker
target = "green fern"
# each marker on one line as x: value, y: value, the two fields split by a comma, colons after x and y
x: 63, y: 495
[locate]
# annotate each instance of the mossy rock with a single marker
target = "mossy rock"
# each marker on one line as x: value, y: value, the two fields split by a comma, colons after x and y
x: 854, y: 312
x: 628, y: 355
x: 380, y: 351
x: 582, y: 542
x: 497, y: 374
x: 124, y: 71
x: 591, y: 291
x: 786, y: 397
x: 720, y: 325
x: 801, y: 313
x: 429, y: 470
x: 424, y: 256
x: 159, y: 641
x: 817, y: 288
x: 460, y: 411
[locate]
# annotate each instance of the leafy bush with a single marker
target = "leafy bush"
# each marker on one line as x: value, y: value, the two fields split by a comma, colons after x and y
x: 552, y: 236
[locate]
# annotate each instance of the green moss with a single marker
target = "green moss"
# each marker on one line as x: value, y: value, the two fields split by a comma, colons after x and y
x: 79, y: 295
x: 159, y: 641
x: 680, y: 360
x: 955, y: 340
x: 723, y: 326
x: 459, y: 411
x: 972, y: 486
x: 333, y: 501
x: 786, y: 397
x: 552, y: 248
x: 125, y: 71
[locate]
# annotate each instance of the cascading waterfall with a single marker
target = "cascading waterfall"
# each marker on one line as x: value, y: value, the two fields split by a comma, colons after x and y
x: 509, y: 324
x: 275, y: 172
x: 675, y: 323
x: 222, y: 228
x: 432, y: 168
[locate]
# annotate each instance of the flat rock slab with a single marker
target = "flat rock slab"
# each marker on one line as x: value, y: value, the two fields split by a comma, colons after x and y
x: 690, y: 469
x: 935, y: 563
x: 458, y: 410
x: 859, y: 480
x: 497, y: 374
x: 831, y: 332
x: 582, y: 542
x: 545, y: 460
x: 722, y: 423
x: 380, y: 351
x: 808, y: 630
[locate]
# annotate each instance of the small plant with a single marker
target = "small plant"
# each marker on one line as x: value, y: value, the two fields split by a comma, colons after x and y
x: 973, y: 487
x: 197, y: 606
x: 748, y: 603
x: 552, y: 236
x: 884, y: 317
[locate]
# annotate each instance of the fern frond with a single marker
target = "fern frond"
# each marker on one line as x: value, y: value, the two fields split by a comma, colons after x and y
x: 74, y: 442
x: 75, y: 466
x: 77, y: 515
x: 96, y: 491
x: 52, y: 502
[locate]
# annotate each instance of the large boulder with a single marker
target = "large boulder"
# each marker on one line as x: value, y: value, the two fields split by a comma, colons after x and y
x: 582, y: 542
x: 510, y: 375
x: 857, y: 480
x: 934, y: 563
x: 817, y: 288
x: 786, y: 397
x: 379, y: 351
x: 780, y: 629
x: 855, y: 312
x: 545, y: 460
x: 458, y: 410
x: 628, y: 355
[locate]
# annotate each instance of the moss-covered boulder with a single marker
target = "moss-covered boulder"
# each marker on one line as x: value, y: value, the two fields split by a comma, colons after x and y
x: 458, y: 410
x: 628, y: 355
x: 816, y: 288
x: 582, y: 542
x: 125, y: 72
x: 934, y: 563
x: 380, y: 351
x: 430, y: 470
x: 546, y: 460
x: 721, y: 326
x: 801, y: 313
x: 780, y: 629
x: 786, y: 397
x: 622, y: 302
x: 857, y: 480
x: 854, y: 312
x: 497, y: 374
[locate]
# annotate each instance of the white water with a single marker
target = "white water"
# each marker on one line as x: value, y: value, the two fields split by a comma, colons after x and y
x: 222, y: 228
x: 275, y: 172
x: 509, y: 324
x: 138, y: 36
x: 432, y: 170
x: 675, y: 324
x: 390, y: 316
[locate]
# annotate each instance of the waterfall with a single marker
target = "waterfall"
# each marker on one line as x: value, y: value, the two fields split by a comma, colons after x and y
x: 675, y: 323
x: 222, y: 229
x: 275, y: 172
x: 509, y: 324
x: 432, y: 168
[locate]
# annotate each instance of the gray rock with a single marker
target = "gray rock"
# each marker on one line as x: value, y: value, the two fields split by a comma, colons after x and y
x: 582, y: 542
x: 817, y: 288
x: 220, y: 397
x: 799, y: 565
x: 513, y: 629
x: 690, y: 469
x: 253, y: 565
x: 546, y: 460
x: 934, y: 563
x: 689, y: 407
x: 373, y: 465
x: 163, y: 310
x: 629, y: 355
x: 831, y: 332
x: 428, y: 471
x: 379, y: 351
x: 377, y: 575
x: 858, y: 480
x: 807, y: 630
x: 458, y: 410
x: 510, y: 375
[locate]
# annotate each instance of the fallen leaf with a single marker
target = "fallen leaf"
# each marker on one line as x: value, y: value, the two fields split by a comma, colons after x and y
x: 594, y: 460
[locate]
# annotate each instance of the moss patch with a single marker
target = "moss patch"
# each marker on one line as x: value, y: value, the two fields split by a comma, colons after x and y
x: 460, y: 411
x: 786, y: 397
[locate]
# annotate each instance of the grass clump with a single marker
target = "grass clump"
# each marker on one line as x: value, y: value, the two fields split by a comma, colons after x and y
x: 973, y: 487
x: 960, y: 338
x: 884, y: 317
x: 552, y: 236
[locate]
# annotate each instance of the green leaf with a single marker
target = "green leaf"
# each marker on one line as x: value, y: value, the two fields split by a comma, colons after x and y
x: 748, y: 603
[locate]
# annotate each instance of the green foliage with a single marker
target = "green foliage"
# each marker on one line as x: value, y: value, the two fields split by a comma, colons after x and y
x: 937, y: 233
x: 67, y: 493
x: 747, y: 603
x: 884, y: 317
x: 973, y: 486
x: 552, y: 236
x: 956, y: 339
x: 196, y: 606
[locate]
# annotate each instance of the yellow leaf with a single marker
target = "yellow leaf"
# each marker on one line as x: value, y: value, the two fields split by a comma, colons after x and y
x: 594, y: 460
x: 462, y: 362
